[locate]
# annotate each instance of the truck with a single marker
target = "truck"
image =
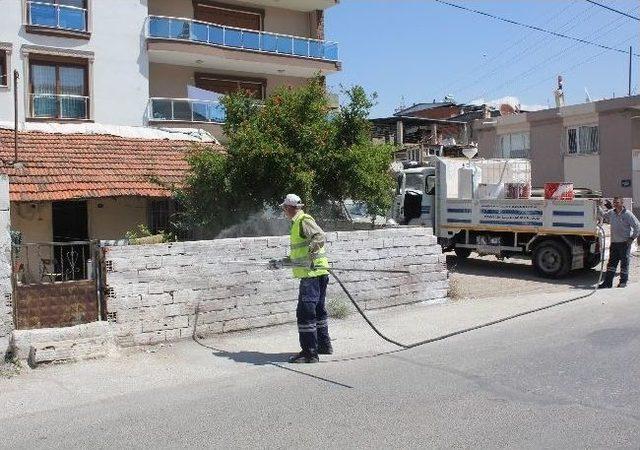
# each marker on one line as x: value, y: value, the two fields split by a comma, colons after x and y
x: 557, y: 235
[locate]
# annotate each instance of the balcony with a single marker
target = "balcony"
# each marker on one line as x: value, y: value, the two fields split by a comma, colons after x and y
x: 54, y: 17
x: 185, y: 110
x: 194, y: 43
x: 58, y: 106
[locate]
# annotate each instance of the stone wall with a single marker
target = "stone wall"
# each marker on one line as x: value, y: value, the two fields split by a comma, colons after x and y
x: 153, y: 290
x: 6, y: 297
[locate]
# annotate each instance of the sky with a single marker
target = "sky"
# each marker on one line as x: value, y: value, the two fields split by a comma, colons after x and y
x: 411, y: 51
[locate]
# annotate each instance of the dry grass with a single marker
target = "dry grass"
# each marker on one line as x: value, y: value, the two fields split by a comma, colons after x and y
x: 338, y: 308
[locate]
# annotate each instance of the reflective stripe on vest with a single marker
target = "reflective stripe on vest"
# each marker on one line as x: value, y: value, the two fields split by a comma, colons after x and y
x: 300, y: 252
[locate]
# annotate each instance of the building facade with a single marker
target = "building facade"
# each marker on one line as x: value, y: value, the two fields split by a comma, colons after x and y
x: 154, y: 62
x: 593, y: 145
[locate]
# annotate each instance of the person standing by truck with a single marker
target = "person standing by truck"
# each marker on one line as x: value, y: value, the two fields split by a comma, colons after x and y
x: 625, y: 229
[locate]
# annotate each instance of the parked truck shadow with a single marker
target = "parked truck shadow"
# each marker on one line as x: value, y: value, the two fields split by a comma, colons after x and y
x: 488, y: 266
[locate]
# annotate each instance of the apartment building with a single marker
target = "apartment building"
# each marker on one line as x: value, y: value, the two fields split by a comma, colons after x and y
x: 594, y: 145
x: 154, y: 62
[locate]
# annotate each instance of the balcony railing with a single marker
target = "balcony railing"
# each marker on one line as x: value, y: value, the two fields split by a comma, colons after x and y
x: 160, y: 27
x: 186, y: 110
x: 59, y: 106
x: 60, y: 17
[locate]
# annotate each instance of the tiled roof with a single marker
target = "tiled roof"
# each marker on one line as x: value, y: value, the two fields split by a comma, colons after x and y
x: 71, y: 166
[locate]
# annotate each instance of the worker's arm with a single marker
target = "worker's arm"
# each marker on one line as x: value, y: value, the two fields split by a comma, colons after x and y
x: 314, y: 233
x: 635, y: 226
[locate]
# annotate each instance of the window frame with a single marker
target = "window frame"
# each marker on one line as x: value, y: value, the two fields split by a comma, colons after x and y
x: 4, y: 68
x: 577, y: 129
x: 57, y: 63
x: 54, y: 30
x: 499, y: 144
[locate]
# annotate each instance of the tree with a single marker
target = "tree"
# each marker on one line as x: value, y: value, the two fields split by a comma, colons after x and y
x: 293, y: 142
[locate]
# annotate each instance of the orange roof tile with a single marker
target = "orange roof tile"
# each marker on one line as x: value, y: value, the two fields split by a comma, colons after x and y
x: 71, y: 166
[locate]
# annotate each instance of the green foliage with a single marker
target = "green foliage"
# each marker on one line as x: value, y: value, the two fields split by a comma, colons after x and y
x: 293, y: 142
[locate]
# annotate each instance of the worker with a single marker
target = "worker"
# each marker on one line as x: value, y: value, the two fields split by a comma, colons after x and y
x: 309, y: 263
x: 625, y: 229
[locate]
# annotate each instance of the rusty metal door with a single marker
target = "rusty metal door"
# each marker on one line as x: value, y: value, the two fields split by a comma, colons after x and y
x: 56, y: 284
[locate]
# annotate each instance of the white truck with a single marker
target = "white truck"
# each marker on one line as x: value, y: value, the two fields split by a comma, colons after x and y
x: 558, y: 235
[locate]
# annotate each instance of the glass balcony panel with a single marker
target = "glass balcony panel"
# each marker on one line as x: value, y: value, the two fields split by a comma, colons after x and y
x: 182, y: 110
x: 73, y: 19
x: 300, y: 47
x: 331, y: 51
x: 216, y: 35
x: 186, y: 29
x: 180, y: 29
x: 251, y: 40
x: 316, y: 49
x: 159, y: 27
x: 285, y: 44
x: 44, y: 15
x: 161, y: 109
x: 233, y: 37
x: 199, y: 32
x: 217, y: 113
x: 200, y: 111
x: 269, y: 43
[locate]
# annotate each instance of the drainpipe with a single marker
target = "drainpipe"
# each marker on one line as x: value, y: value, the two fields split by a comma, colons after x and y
x: 16, y: 76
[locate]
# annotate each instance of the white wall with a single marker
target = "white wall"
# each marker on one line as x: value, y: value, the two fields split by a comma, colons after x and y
x: 120, y: 87
x: 153, y: 289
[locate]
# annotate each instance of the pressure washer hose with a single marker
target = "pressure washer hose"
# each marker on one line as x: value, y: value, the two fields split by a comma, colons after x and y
x: 601, y: 234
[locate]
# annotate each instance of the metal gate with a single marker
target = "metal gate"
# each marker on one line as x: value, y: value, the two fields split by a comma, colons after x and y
x: 56, y: 284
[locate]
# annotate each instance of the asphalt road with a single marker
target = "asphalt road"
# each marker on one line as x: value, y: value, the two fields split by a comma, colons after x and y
x: 566, y: 377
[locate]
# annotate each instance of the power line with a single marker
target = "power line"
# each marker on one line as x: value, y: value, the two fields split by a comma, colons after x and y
x: 533, y: 27
x: 613, y: 9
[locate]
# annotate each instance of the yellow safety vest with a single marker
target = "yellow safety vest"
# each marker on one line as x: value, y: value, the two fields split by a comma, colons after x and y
x: 300, y: 251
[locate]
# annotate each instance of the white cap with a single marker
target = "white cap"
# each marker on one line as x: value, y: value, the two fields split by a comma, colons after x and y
x: 292, y: 200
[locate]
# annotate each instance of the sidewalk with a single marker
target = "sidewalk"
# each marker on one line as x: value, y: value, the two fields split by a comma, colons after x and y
x: 236, y: 357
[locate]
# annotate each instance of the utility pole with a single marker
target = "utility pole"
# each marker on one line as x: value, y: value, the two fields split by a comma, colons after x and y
x: 630, y: 62
x: 16, y: 76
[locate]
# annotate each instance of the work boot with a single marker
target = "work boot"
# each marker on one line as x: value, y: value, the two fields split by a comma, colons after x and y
x: 325, y: 349
x: 608, y: 281
x: 304, y: 357
x: 622, y: 284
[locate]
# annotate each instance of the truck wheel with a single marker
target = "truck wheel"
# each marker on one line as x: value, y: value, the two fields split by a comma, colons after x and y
x: 462, y: 252
x: 551, y: 259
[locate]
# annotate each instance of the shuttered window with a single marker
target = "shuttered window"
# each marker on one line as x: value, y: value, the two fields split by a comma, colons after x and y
x: 230, y: 17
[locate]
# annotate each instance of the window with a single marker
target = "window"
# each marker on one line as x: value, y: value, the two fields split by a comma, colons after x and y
x: 582, y: 140
x: 159, y: 216
x: 58, y: 90
x: 70, y: 15
x: 4, y: 70
x: 230, y: 16
x: 514, y: 145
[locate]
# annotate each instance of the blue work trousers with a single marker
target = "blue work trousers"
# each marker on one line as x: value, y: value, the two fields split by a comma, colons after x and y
x: 311, y: 313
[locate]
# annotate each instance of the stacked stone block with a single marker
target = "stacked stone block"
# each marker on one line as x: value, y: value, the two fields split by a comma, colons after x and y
x: 153, y: 290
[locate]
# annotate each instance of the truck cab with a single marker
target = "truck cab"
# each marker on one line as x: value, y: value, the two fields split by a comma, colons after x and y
x: 414, y: 202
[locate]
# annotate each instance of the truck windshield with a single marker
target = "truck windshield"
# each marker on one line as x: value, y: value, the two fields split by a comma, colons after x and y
x: 415, y: 182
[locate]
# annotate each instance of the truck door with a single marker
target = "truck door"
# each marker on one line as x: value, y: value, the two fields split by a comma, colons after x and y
x: 429, y: 201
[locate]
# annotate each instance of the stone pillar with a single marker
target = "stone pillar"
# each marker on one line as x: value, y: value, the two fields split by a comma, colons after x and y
x: 6, y: 290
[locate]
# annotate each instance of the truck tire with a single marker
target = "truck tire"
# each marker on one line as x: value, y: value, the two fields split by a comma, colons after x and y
x: 462, y: 252
x: 551, y: 259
